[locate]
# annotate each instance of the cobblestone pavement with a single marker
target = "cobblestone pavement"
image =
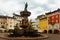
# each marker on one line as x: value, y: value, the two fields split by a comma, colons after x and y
x: 2, y: 39
x: 2, y: 35
x: 53, y: 37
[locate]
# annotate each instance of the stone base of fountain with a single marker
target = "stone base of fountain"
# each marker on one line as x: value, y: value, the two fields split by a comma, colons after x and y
x: 25, y: 38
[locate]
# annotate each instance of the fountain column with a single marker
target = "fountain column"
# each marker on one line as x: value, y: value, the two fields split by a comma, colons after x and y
x: 25, y: 15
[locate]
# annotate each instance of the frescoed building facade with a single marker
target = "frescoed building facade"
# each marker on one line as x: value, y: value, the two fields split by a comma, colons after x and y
x: 42, y: 23
x: 7, y: 22
x: 53, y: 20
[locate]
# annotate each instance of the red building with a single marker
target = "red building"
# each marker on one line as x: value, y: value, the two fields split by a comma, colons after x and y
x: 54, y: 20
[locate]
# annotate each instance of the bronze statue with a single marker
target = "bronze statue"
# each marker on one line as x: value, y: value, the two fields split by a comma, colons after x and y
x: 26, y: 5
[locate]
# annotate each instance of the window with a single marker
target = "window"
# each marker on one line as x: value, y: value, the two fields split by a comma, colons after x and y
x: 2, y: 27
x: 56, y: 16
x: 56, y: 26
x: 1, y: 23
x: 56, y: 21
x: 52, y: 17
x: 52, y: 20
x: 10, y: 25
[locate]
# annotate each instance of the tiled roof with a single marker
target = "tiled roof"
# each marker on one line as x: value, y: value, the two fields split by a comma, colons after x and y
x: 53, y: 12
x: 40, y: 16
x: 5, y: 17
x: 43, y: 18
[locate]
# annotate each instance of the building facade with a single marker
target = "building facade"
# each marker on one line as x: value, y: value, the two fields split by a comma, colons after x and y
x: 7, y: 22
x: 18, y: 19
x: 42, y: 23
x: 10, y: 23
x: 53, y: 20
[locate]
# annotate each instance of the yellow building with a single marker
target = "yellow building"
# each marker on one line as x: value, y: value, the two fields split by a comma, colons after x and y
x: 42, y: 23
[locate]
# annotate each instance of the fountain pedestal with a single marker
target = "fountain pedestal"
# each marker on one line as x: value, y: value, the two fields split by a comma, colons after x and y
x: 25, y: 38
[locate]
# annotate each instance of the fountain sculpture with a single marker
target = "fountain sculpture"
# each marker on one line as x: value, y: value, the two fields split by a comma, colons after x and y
x: 26, y: 26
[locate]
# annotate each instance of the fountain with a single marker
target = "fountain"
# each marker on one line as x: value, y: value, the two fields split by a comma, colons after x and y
x: 27, y: 32
x: 27, y: 29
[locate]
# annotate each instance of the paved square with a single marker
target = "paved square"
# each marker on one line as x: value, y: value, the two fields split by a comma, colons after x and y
x: 53, y: 37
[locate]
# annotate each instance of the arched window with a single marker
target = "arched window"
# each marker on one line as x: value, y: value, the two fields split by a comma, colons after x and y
x: 2, y: 27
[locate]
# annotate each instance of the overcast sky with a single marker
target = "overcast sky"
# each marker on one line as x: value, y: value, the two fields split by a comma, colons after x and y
x: 36, y: 7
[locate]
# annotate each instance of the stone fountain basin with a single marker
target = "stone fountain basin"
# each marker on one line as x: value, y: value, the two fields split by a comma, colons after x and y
x: 26, y: 38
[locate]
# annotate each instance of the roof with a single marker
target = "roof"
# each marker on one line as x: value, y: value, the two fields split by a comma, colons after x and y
x: 38, y: 17
x: 43, y: 18
x: 5, y: 17
x: 53, y: 11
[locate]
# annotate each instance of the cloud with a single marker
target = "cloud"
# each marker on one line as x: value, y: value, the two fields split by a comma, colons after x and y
x: 37, y: 7
x: 10, y: 6
x: 40, y: 1
x: 36, y: 11
x: 53, y: 5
